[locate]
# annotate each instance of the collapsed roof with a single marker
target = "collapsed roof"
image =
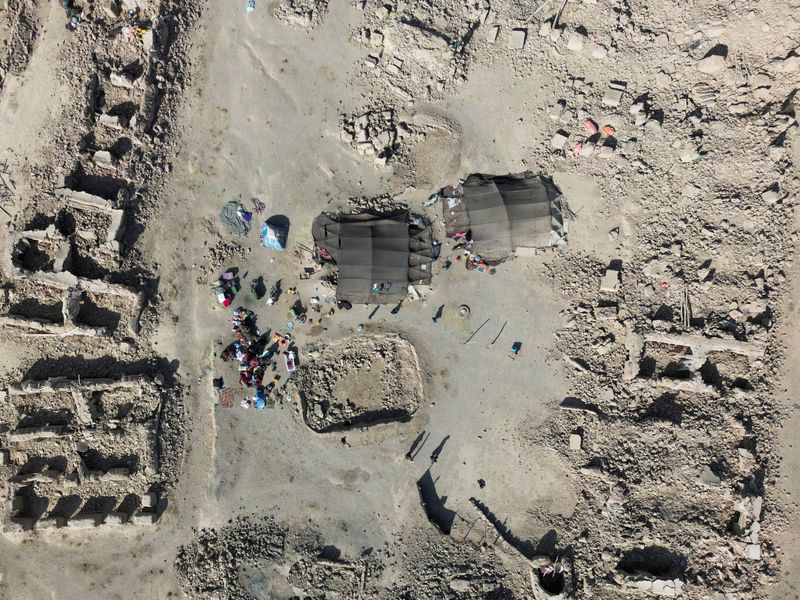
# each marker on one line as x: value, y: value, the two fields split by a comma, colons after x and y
x: 378, y: 255
x: 503, y: 213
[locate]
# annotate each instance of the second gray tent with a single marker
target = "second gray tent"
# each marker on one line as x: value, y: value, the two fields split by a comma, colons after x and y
x: 503, y: 213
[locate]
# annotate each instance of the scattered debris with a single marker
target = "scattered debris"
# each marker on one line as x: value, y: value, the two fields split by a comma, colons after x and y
x: 301, y: 14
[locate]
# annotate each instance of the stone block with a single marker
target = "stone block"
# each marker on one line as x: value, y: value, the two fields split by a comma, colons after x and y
x: 516, y: 41
x: 770, y: 196
x: 559, y: 140
x: 149, y: 500
x: 104, y: 159
x: 50, y: 523
x: 614, y: 93
x: 791, y: 64
x: 610, y: 281
x: 110, y: 121
x: 29, y: 434
x: 557, y: 110
x: 121, y: 80
x: 117, y: 518
x: 599, y: 51
x: 144, y: 518
x: 575, y: 41
x: 711, y: 64
x: 85, y: 521
x: 544, y: 28
x: 118, y: 473
x: 752, y: 551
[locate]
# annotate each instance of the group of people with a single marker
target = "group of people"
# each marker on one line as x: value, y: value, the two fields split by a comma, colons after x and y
x: 136, y: 26
x: 74, y: 14
x: 256, y: 354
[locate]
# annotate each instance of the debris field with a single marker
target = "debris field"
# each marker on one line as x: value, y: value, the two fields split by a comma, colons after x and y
x: 440, y: 385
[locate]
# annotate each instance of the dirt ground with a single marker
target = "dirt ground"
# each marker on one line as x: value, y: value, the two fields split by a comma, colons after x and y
x: 644, y: 436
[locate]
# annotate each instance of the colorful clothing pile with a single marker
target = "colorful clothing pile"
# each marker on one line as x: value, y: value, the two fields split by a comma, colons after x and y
x: 254, y: 352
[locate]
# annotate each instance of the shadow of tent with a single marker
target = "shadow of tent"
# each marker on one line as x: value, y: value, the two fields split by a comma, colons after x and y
x: 281, y: 221
x: 434, y: 506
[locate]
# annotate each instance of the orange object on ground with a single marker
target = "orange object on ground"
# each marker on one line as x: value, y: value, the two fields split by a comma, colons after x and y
x: 226, y: 398
x: 608, y: 130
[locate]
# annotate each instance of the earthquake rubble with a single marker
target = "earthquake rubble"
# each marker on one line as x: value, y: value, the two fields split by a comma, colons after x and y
x: 394, y: 299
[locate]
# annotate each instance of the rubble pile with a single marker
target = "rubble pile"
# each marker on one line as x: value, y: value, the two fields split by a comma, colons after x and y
x: 444, y: 567
x: 19, y: 29
x: 302, y: 14
x: 415, y: 51
x: 383, y: 204
x: 375, y: 133
x: 221, y: 563
x: 417, y: 147
x: 671, y: 397
x: 334, y: 576
x: 210, y: 564
x: 358, y: 381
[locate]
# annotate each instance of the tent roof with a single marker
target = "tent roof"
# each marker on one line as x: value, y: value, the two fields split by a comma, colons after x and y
x: 504, y: 213
x: 370, y: 250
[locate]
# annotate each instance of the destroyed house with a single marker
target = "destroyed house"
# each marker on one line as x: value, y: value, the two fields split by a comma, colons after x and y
x: 504, y: 214
x: 378, y: 256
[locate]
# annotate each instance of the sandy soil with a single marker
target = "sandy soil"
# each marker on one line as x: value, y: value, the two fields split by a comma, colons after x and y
x: 644, y: 438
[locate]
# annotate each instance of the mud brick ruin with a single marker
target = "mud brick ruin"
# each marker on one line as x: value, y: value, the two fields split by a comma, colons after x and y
x: 58, y: 290
x: 79, y: 453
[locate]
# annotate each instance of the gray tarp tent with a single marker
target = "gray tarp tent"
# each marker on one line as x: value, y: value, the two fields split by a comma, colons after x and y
x: 378, y: 255
x: 503, y: 213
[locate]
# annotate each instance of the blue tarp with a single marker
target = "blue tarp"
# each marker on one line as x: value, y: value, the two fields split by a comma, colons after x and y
x: 273, y: 236
x: 261, y: 398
